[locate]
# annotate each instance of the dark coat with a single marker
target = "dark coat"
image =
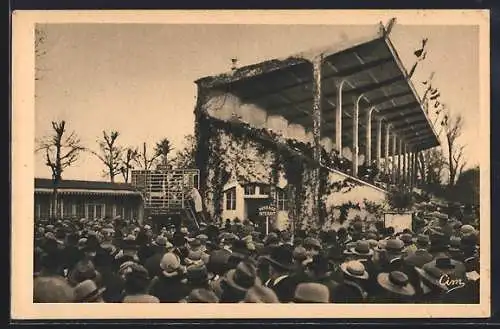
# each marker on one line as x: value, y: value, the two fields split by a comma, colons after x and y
x: 285, y: 288
x: 350, y: 292
x: 419, y: 258
x: 152, y: 264
x: 168, y: 289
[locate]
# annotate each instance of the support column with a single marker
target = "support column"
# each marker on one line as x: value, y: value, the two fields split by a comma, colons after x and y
x: 398, y: 172
x: 405, y: 167
x: 316, y: 116
x: 338, y: 118
x: 386, y: 155
x: 368, y: 143
x: 393, y: 167
x: 355, y: 130
x: 379, y: 142
x: 316, y: 111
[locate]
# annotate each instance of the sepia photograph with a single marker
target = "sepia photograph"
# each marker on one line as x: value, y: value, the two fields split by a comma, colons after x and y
x: 217, y: 157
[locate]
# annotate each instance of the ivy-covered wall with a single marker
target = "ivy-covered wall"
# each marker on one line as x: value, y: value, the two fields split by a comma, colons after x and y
x: 231, y: 149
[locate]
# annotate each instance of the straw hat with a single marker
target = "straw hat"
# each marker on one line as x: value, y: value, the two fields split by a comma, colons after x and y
x: 396, y: 282
x: 170, y: 264
x: 354, y: 269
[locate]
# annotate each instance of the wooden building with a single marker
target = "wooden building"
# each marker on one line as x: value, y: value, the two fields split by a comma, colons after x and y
x: 89, y: 199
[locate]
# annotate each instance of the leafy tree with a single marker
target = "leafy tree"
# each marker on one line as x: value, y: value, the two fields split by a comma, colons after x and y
x: 466, y: 189
x: 163, y: 149
x: 110, y: 154
x: 185, y: 157
x: 61, y: 150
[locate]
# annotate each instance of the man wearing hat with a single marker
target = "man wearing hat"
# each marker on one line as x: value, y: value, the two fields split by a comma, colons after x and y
x: 311, y: 292
x: 160, y: 247
x: 420, y: 256
x: 137, y: 286
x: 260, y: 294
x: 168, y: 286
x: 318, y: 270
x: 88, y: 292
x: 396, y: 288
x: 197, y: 277
x: 352, y: 289
x: 238, y: 281
x: 281, y: 278
x: 128, y: 252
x: 52, y: 289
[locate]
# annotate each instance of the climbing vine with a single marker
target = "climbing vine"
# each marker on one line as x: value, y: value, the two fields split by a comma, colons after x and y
x: 234, y: 149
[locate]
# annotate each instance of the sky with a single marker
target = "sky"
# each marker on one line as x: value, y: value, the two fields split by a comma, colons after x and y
x: 139, y: 78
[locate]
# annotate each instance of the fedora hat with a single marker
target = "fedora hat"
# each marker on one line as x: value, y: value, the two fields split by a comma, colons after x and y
x: 87, y: 291
x: 197, y: 273
x: 354, y: 269
x: 467, y: 229
x: 281, y: 257
x: 82, y: 271
x: 243, y: 277
x: 435, y: 269
x: 362, y: 248
x: 406, y: 238
x: 311, y: 292
x: 396, y: 282
x: 310, y: 242
x: 423, y: 240
x: 260, y: 294
x: 218, y: 262
x: 394, y: 245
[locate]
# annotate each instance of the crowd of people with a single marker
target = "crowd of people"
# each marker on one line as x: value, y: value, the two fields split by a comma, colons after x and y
x: 113, y: 261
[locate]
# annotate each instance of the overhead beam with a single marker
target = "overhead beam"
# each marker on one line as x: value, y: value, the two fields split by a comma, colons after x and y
x: 339, y: 74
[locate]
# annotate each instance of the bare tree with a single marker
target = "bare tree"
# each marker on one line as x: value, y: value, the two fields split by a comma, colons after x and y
x: 163, y: 149
x: 110, y: 154
x: 143, y: 160
x: 40, y: 51
x: 456, y: 160
x: 60, y: 150
x: 129, y: 157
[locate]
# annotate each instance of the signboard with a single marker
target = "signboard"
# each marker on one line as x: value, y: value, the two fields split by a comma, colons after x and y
x: 399, y: 221
x: 267, y: 211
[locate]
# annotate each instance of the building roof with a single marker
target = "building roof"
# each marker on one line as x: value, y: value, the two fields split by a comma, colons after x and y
x: 44, y: 185
x: 371, y: 67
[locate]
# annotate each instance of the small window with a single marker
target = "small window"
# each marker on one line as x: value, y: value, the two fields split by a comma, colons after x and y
x: 264, y: 190
x: 231, y: 199
x: 249, y: 189
x: 282, y: 200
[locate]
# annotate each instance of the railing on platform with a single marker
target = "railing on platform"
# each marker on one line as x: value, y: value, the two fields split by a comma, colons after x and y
x: 165, y: 191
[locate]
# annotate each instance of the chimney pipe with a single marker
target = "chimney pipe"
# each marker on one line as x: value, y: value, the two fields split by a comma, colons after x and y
x: 234, y: 62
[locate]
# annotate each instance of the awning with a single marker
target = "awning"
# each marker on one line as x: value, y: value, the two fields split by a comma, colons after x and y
x: 370, y: 67
x: 88, y: 192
